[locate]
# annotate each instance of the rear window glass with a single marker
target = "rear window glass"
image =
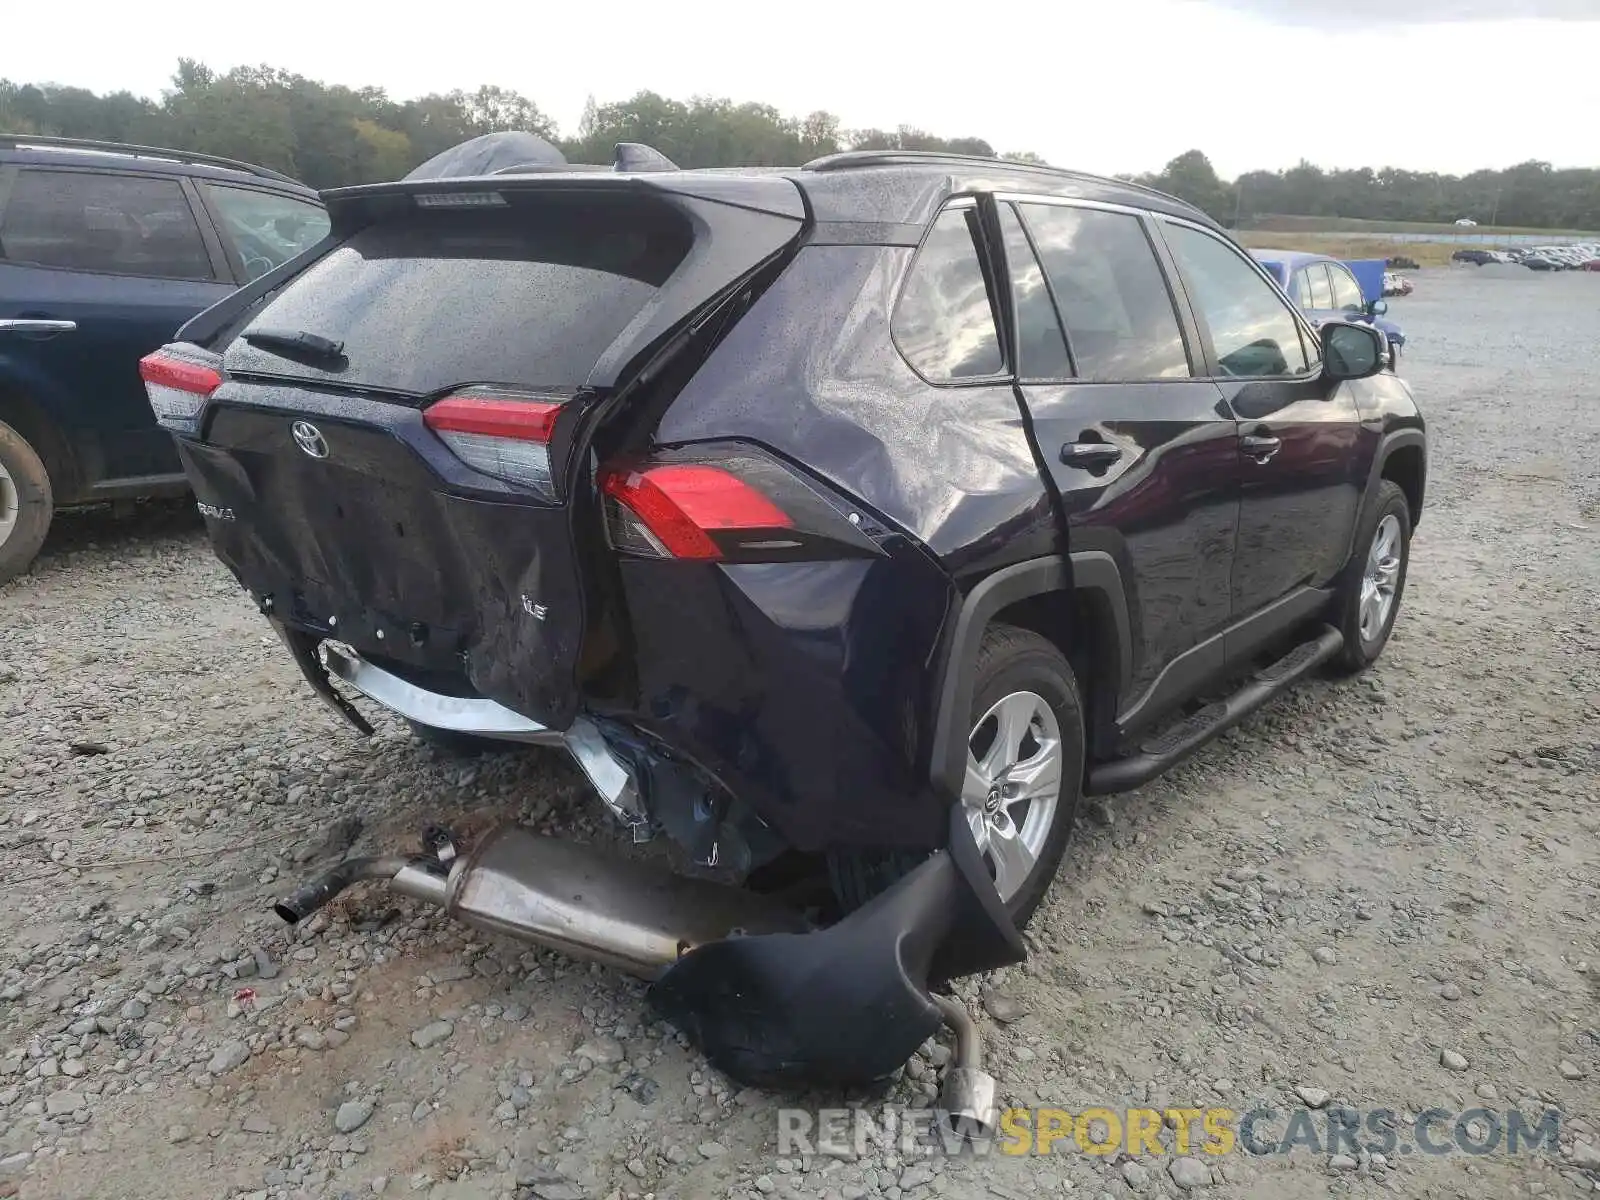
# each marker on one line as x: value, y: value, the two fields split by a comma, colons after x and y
x: 533, y: 295
x: 944, y: 323
x: 1041, y: 348
x: 1120, y: 321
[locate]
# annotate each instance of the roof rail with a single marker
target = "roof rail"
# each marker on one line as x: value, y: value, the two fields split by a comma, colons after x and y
x: 183, y: 156
x: 848, y: 159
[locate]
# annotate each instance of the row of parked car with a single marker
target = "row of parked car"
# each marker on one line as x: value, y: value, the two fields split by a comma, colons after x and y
x: 1579, y: 256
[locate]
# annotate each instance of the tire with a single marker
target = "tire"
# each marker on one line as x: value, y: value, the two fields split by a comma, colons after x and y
x: 26, y: 503
x: 1391, y: 516
x: 458, y: 745
x: 1032, y: 678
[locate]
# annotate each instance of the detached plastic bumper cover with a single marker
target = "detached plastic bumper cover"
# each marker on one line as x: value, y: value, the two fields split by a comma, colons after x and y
x: 846, y: 1005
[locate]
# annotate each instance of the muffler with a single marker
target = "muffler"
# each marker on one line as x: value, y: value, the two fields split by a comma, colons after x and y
x: 768, y: 999
x: 633, y: 916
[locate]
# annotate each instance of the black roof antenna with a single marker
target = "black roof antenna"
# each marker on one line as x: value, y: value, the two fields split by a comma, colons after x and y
x: 636, y: 156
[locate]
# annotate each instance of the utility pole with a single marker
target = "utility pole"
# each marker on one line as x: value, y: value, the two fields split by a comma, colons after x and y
x: 1238, y: 202
x: 1495, y: 212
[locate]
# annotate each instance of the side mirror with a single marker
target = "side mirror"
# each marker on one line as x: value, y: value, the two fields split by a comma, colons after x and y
x: 1352, y: 351
x: 1378, y: 307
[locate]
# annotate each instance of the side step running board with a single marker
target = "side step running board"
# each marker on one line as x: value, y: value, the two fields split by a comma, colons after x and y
x: 1184, y: 738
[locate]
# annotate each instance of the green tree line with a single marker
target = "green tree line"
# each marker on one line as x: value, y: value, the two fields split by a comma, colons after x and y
x: 330, y: 135
x: 1532, y: 194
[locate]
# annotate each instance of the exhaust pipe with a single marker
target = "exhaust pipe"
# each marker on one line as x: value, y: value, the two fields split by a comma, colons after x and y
x: 967, y: 1098
x: 770, y: 1001
x: 413, y: 877
x: 634, y: 916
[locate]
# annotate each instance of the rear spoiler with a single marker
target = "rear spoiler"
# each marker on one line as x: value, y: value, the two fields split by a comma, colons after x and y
x: 351, y: 208
x: 741, y: 221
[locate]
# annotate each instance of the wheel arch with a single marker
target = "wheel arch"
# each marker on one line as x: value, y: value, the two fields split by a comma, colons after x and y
x: 1407, y: 465
x: 1091, y: 628
x: 33, y: 422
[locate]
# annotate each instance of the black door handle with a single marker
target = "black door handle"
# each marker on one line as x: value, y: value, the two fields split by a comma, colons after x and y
x: 1258, y: 447
x: 1090, y: 454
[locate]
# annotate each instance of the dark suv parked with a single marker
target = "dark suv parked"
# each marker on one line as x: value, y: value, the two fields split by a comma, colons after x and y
x: 105, y: 250
x: 805, y: 507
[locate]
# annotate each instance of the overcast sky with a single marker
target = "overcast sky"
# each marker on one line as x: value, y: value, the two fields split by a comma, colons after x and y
x: 1446, y: 85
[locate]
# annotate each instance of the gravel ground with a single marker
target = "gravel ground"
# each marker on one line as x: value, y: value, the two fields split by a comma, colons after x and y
x: 1382, y: 893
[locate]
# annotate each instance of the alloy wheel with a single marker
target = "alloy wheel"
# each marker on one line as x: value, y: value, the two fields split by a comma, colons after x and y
x: 1013, y: 786
x: 1382, y: 578
x: 10, y: 504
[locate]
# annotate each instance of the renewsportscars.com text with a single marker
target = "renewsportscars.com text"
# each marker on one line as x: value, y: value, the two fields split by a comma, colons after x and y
x: 853, y: 1132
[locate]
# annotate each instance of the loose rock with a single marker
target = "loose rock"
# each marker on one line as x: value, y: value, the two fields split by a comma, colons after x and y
x: 352, y: 1115
x: 432, y: 1034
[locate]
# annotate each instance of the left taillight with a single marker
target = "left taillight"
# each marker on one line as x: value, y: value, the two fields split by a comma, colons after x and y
x: 179, y: 379
x: 501, y: 432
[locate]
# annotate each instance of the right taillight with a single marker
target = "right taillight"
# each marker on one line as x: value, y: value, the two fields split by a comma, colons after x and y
x: 738, y: 506
x: 179, y: 379
x: 674, y: 510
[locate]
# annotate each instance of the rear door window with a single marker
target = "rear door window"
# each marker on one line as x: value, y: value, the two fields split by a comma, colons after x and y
x: 1119, y: 316
x: 266, y: 229
x: 107, y: 224
x: 1041, y: 348
x: 944, y: 321
x: 532, y: 295
x: 1254, y: 333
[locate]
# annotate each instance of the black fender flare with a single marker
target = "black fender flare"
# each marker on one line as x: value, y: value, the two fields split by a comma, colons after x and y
x: 1395, y: 439
x: 1088, y: 570
x: 40, y: 429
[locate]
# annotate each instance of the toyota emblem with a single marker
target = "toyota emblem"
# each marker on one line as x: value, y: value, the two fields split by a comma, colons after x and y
x: 309, y: 438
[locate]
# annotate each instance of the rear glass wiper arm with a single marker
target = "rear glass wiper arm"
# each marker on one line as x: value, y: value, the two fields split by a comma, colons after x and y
x: 294, y: 341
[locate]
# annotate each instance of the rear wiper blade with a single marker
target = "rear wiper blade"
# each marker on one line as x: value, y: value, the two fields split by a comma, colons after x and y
x: 295, y: 341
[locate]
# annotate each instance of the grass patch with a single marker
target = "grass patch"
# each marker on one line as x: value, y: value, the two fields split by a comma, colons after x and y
x: 1343, y: 246
x: 1277, y: 223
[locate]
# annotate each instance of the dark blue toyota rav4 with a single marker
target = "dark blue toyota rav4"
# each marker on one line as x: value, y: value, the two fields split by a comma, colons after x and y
x: 868, y: 513
x: 105, y: 250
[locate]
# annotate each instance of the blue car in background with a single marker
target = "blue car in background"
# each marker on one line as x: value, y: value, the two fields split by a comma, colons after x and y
x: 1327, y: 290
x: 105, y: 249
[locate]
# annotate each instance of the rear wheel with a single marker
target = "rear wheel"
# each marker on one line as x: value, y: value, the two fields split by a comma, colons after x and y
x: 1024, y: 775
x: 26, y: 503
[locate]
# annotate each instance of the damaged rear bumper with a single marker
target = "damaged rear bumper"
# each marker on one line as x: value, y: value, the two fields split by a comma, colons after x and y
x: 769, y: 1000
x: 611, y: 777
